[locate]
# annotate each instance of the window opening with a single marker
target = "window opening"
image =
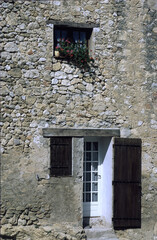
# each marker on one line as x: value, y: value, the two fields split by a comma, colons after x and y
x: 73, y: 45
x: 74, y: 35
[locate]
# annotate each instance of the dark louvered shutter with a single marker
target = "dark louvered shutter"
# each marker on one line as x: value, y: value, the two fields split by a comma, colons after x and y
x: 127, y: 183
x: 61, y: 156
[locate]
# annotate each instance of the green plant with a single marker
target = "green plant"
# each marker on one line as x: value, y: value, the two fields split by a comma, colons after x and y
x: 76, y: 52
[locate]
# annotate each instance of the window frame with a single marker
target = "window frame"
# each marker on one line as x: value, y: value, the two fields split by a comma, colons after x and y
x: 70, y: 30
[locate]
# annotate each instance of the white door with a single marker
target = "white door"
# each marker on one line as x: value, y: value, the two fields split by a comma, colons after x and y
x: 91, y: 178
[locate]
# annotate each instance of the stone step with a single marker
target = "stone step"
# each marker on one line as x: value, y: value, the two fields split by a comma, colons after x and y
x: 100, y: 234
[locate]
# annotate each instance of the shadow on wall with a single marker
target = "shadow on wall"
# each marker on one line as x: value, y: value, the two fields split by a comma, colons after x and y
x: 86, y: 222
x: 7, y: 237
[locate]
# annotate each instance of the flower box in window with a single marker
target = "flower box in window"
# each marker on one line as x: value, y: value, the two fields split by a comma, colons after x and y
x: 77, y: 52
x: 72, y: 44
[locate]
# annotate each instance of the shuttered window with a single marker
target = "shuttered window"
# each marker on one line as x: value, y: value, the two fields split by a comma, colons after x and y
x: 127, y: 183
x: 61, y: 156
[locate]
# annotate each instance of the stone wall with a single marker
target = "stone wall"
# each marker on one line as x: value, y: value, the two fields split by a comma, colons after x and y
x: 38, y: 90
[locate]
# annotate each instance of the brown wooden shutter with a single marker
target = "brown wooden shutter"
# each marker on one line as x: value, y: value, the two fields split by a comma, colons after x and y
x: 127, y: 183
x: 61, y: 156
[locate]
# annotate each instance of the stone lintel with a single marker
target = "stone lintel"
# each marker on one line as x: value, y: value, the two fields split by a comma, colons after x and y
x: 88, y: 132
x: 73, y: 24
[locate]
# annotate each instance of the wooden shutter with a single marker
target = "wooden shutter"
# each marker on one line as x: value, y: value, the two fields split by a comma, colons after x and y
x: 127, y: 183
x: 61, y: 156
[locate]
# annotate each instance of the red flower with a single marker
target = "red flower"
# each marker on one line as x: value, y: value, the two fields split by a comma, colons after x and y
x: 67, y: 41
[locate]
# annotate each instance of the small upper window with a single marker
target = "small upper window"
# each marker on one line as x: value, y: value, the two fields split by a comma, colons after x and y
x: 73, y: 44
x: 72, y: 34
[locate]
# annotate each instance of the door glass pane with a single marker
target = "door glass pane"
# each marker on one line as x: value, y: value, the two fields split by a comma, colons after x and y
x: 94, y: 186
x: 94, y: 176
x: 94, y: 197
x: 88, y: 187
x: 88, y: 176
x: 88, y: 166
x: 95, y: 166
x: 95, y: 156
x: 88, y: 197
x: 88, y: 156
x: 88, y: 146
x: 95, y: 146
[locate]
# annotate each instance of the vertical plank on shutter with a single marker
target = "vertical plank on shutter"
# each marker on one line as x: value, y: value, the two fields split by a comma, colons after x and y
x: 61, y: 156
x: 127, y: 183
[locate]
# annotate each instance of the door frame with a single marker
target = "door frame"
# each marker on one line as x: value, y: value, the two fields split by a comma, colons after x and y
x: 93, y: 209
x: 105, y: 204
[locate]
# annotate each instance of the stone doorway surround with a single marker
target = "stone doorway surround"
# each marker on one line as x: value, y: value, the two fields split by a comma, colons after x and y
x: 81, y: 133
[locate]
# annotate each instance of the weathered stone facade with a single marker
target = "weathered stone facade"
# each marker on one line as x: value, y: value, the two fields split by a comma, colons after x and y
x: 39, y: 91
